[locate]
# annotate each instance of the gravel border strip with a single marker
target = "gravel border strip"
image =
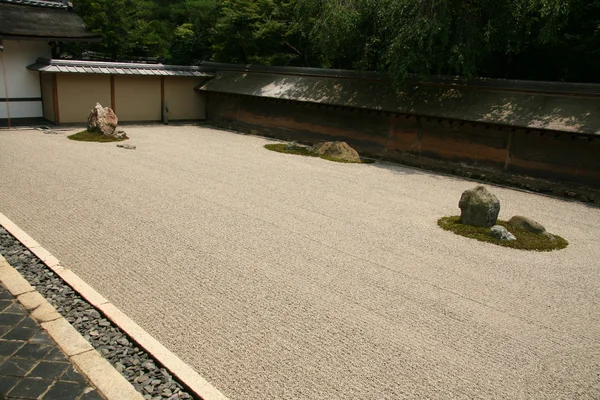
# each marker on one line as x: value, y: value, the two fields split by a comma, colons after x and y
x: 108, y: 382
x: 116, y: 337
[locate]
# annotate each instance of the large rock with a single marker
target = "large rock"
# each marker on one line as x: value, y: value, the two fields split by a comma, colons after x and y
x: 501, y: 233
x: 479, y: 207
x: 339, y: 150
x: 519, y: 221
x: 104, y: 120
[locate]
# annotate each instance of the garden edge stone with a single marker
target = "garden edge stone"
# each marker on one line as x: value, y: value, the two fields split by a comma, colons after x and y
x: 179, y: 369
x: 103, y: 375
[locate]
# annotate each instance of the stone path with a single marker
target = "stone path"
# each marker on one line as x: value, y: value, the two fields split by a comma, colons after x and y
x: 32, y: 366
x: 284, y: 277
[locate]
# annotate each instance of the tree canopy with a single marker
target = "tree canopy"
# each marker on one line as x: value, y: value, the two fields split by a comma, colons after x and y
x: 520, y: 39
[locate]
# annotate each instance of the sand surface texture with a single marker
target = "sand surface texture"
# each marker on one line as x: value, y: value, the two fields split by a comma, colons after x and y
x: 286, y: 277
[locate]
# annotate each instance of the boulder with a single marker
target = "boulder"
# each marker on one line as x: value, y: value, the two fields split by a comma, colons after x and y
x: 519, y: 221
x: 479, y: 207
x: 501, y: 233
x: 339, y: 150
x: 104, y: 120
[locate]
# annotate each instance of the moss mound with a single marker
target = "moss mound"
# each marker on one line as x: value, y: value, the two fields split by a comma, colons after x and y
x: 305, y: 151
x: 87, y: 136
x: 525, y: 240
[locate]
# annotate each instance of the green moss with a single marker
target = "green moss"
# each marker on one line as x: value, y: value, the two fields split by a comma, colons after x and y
x: 525, y: 240
x: 86, y: 136
x: 303, y: 151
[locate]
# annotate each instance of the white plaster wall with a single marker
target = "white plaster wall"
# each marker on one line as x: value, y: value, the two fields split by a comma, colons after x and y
x: 22, y: 82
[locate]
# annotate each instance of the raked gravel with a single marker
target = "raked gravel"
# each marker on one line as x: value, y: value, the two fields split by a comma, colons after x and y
x: 153, y: 382
x: 284, y: 277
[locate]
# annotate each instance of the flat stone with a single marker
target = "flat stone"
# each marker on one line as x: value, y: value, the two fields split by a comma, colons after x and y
x: 127, y: 146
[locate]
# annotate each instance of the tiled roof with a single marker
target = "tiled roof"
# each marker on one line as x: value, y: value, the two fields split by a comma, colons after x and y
x: 39, y: 3
x: 114, y: 68
x: 567, y: 107
x: 42, y: 20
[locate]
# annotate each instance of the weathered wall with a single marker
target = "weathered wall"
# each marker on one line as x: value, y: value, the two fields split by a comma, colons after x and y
x: 137, y: 98
x: 23, y: 85
x: 48, y: 96
x: 183, y: 101
x: 78, y: 94
x: 544, y: 154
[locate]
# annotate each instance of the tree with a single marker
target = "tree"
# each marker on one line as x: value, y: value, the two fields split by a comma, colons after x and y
x: 426, y: 37
x: 258, y: 32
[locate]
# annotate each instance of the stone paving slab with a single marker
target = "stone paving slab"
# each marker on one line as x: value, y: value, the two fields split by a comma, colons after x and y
x: 32, y: 366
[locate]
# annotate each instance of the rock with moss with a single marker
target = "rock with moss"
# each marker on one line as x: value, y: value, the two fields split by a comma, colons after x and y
x: 501, y: 233
x: 479, y: 207
x: 292, y: 146
x: 338, y: 150
x: 104, y: 120
x: 519, y: 221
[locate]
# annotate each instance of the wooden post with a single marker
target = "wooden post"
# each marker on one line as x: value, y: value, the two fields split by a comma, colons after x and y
x: 41, y: 92
x: 5, y: 82
x: 508, y: 149
x: 162, y: 99
x: 112, y: 94
x: 55, y: 96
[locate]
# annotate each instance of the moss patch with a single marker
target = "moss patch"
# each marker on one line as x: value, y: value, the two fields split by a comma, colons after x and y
x: 525, y: 240
x: 86, y: 136
x: 303, y: 151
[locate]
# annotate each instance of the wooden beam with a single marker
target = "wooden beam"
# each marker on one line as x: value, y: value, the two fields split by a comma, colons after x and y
x: 112, y: 94
x: 55, y: 96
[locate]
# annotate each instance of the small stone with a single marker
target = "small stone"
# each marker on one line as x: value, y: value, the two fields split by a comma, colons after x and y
x: 149, y: 389
x: 166, y: 392
x: 123, y: 342
x: 501, y: 233
x: 126, y: 146
x: 149, y: 365
x: 119, y: 367
x: 104, y: 323
x: 291, y: 146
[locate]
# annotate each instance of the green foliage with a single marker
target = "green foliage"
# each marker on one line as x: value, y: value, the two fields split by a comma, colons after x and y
x: 522, y: 39
x: 525, y: 240
x: 87, y: 136
x: 427, y: 37
x: 257, y: 32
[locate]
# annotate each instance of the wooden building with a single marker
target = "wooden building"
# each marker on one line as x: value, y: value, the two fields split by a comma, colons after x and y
x: 28, y: 30
x: 136, y: 92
